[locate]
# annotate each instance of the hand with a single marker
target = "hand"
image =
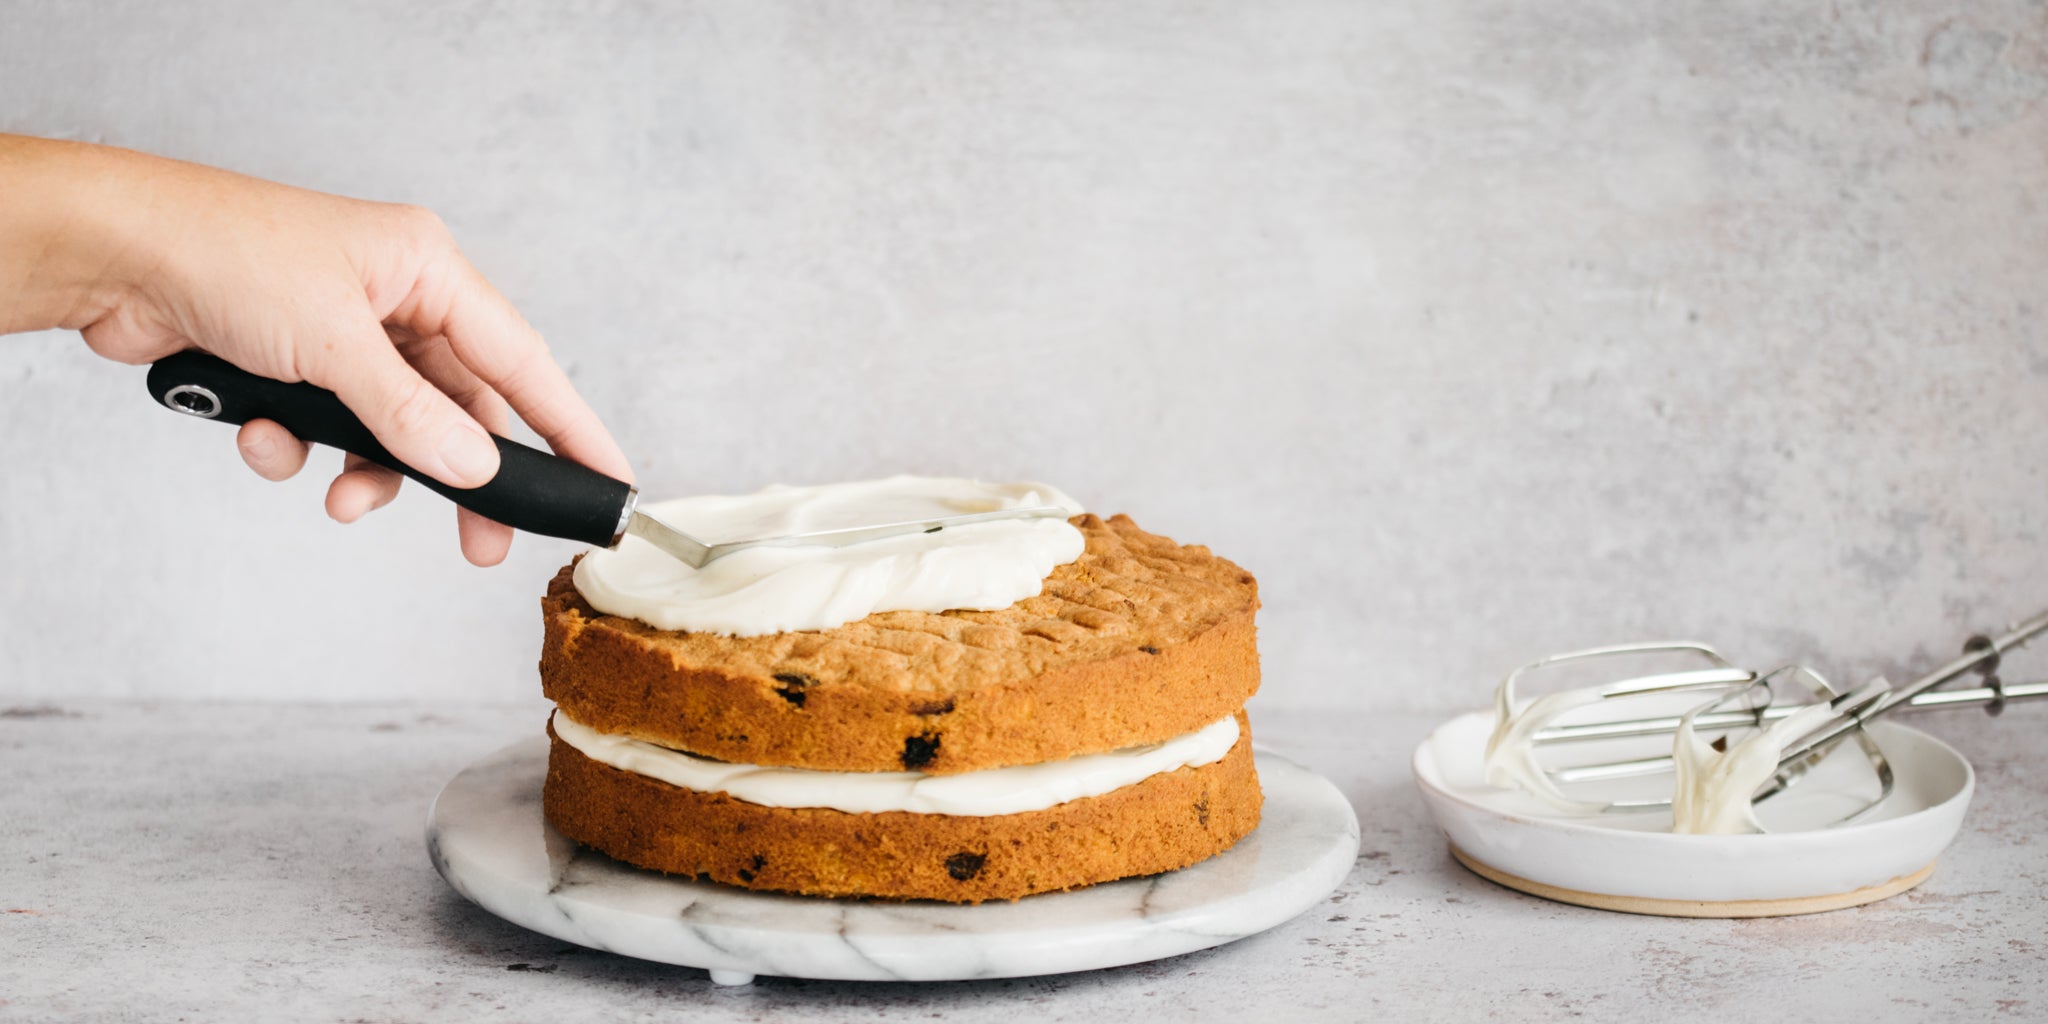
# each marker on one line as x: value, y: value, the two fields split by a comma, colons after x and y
x: 146, y: 256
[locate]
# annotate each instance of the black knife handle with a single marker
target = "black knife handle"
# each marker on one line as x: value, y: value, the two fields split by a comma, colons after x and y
x: 533, y: 491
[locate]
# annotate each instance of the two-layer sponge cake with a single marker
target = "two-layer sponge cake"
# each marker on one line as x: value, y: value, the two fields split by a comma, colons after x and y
x: 1091, y: 731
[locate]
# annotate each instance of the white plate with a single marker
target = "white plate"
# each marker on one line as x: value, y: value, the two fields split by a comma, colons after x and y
x: 1635, y: 863
x: 488, y: 839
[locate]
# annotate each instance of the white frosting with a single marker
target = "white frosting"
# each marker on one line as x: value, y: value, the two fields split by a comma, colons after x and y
x: 1014, y: 790
x: 772, y: 590
x: 1511, y: 750
x: 1713, y: 791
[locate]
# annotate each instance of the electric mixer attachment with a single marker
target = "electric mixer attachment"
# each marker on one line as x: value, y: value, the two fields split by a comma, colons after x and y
x: 1767, y: 741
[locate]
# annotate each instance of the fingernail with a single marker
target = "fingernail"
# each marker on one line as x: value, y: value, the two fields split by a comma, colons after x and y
x: 468, y: 453
x: 262, y: 449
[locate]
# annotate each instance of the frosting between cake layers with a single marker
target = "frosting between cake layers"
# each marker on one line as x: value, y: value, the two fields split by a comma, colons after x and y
x: 1013, y: 790
x: 982, y: 567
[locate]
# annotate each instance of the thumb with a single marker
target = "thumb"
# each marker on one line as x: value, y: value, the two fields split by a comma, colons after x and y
x: 412, y: 418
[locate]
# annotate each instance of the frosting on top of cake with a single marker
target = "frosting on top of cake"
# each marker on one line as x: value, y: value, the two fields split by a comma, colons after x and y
x: 1014, y: 790
x: 981, y: 567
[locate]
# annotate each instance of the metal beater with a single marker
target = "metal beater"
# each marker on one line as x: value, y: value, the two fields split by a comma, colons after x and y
x: 1740, y: 699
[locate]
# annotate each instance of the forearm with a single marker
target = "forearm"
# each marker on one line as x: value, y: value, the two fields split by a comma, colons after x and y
x: 75, y: 229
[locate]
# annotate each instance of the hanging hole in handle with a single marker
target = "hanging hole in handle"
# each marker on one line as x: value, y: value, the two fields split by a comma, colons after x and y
x: 193, y: 400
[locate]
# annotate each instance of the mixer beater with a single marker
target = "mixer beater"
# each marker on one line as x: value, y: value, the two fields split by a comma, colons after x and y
x: 1766, y: 742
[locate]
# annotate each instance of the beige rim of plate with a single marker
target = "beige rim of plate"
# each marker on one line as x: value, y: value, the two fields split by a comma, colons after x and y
x: 1789, y: 907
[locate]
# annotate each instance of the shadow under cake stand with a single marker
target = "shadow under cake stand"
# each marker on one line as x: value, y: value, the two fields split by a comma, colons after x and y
x: 487, y: 838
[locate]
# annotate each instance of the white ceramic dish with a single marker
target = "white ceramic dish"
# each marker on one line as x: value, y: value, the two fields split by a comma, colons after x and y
x: 488, y: 839
x: 1634, y: 863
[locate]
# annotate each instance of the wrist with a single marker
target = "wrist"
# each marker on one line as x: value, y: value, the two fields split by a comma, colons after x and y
x: 75, y: 235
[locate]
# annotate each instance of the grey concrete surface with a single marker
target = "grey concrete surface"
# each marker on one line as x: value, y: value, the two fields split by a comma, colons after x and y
x: 225, y: 862
x: 1475, y: 329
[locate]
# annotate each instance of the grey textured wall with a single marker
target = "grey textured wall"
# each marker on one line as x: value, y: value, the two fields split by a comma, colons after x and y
x: 1476, y: 329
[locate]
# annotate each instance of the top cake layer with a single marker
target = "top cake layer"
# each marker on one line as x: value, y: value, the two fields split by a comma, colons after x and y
x: 1137, y: 641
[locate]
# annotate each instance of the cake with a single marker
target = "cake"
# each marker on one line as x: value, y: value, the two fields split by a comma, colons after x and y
x: 1090, y: 731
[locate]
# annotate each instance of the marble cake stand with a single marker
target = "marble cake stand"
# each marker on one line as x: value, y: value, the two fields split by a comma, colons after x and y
x: 487, y: 838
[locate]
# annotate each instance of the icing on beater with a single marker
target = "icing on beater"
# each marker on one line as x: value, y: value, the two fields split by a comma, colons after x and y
x: 1511, y: 750
x: 1713, y: 789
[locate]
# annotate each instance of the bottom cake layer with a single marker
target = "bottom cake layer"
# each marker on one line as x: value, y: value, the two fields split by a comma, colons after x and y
x: 1162, y: 823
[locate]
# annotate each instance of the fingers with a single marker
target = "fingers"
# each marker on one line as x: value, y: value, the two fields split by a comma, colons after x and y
x: 435, y: 377
x: 270, y: 449
x: 436, y: 362
x: 484, y: 542
x: 275, y: 454
x: 362, y: 488
x: 416, y: 421
x: 497, y: 344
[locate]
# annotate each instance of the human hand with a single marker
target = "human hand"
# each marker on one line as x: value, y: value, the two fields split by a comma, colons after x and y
x: 146, y: 257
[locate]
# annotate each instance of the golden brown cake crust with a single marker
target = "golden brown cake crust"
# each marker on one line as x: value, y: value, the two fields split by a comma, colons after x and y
x: 1137, y: 641
x: 1162, y: 823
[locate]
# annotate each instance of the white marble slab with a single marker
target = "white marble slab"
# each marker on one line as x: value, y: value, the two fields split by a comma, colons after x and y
x: 487, y: 837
